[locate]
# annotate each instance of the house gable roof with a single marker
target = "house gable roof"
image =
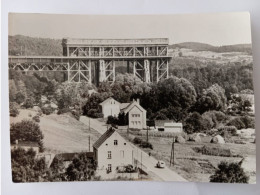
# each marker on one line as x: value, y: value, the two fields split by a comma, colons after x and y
x: 124, y: 105
x: 107, y: 100
x: 103, y: 138
x: 131, y: 105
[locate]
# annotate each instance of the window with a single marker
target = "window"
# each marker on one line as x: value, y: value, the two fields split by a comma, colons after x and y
x: 115, y: 142
x: 109, y: 167
x: 109, y: 155
x: 133, y: 115
x: 124, y: 143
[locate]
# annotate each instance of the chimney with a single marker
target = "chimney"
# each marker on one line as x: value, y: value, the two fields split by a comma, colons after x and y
x: 138, y: 101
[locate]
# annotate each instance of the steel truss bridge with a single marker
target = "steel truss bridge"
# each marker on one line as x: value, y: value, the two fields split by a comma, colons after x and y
x: 95, y: 60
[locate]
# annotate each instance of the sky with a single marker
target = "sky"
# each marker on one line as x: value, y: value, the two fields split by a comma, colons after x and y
x: 215, y: 29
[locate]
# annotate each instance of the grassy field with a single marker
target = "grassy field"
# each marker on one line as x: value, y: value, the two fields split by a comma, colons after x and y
x: 195, y: 166
x: 62, y: 133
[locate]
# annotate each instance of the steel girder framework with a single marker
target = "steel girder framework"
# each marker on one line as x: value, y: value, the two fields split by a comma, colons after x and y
x: 155, y: 51
x: 79, y: 70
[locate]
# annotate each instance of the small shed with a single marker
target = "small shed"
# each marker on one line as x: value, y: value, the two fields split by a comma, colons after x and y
x: 159, y: 124
x: 173, y: 127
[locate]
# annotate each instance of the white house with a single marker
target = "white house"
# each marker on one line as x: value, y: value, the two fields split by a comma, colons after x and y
x: 136, y: 113
x: 110, y: 107
x: 112, y: 151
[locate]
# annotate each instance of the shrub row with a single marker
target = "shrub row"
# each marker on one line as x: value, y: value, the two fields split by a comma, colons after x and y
x: 159, y: 134
x: 142, y: 143
x: 213, y: 151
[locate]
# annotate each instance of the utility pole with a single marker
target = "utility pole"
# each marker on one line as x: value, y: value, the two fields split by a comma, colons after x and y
x: 141, y: 165
x: 172, y: 153
x: 89, y: 143
x: 89, y: 135
x: 147, y: 135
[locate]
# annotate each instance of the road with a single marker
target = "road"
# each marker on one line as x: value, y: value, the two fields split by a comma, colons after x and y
x: 148, y: 162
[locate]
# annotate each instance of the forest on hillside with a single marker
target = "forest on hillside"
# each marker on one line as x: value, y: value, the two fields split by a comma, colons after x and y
x: 246, y: 48
x: 31, y: 46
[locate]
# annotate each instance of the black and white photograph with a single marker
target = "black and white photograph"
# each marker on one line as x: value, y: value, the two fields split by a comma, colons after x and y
x: 131, y: 98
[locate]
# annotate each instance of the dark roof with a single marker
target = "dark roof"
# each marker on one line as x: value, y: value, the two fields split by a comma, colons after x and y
x: 103, y: 138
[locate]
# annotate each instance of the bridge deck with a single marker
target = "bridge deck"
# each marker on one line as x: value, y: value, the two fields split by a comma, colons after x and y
x: 45, y: 59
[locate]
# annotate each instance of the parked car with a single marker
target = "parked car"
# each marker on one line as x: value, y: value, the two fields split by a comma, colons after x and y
x: 160, y: 164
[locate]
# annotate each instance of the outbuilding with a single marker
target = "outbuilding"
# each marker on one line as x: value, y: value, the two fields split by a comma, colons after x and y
x: 173, y: 127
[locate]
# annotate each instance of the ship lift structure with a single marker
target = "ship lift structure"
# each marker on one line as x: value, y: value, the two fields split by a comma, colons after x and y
x: 95, y: 60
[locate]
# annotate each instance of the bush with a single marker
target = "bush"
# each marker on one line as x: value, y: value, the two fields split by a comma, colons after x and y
x: 95, y: 113
x: 76, y: 114
x: 112, y: 120
x: 13, y: 107
x: 194, y: 123
x: 248, y: 121
x: 242, y: 122
x: 47, y: 110
x: 137, y: 140
x: 237, y: 123
x: 142, y: 144
x: 213, y: 151
x: 227, y: 131
x: 36, y: 119
x: 63, y: 110
x: 26, y: 130
x: 28, y: 103
x: 145, y: 144
x: 98, y: 115
x: 229, y: 173
x: 217, y: 117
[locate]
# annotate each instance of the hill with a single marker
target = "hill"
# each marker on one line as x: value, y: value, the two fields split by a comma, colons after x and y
x: 24, y: 45
x: 193, y: 45
x: 196, y: 46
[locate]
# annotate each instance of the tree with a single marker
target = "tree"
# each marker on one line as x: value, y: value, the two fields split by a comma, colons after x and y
x: 81, y: 169
x: 92, y: 105
x: 19, y: 98
x: 229, y: 173
x: 26, y: 130
x: 122, y: 119
x: 194, y: 123
x: 213, y: 98
x: 28, y: 103
x: 25, y: 167
x: 216, y: 117
x: 13, y: 107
